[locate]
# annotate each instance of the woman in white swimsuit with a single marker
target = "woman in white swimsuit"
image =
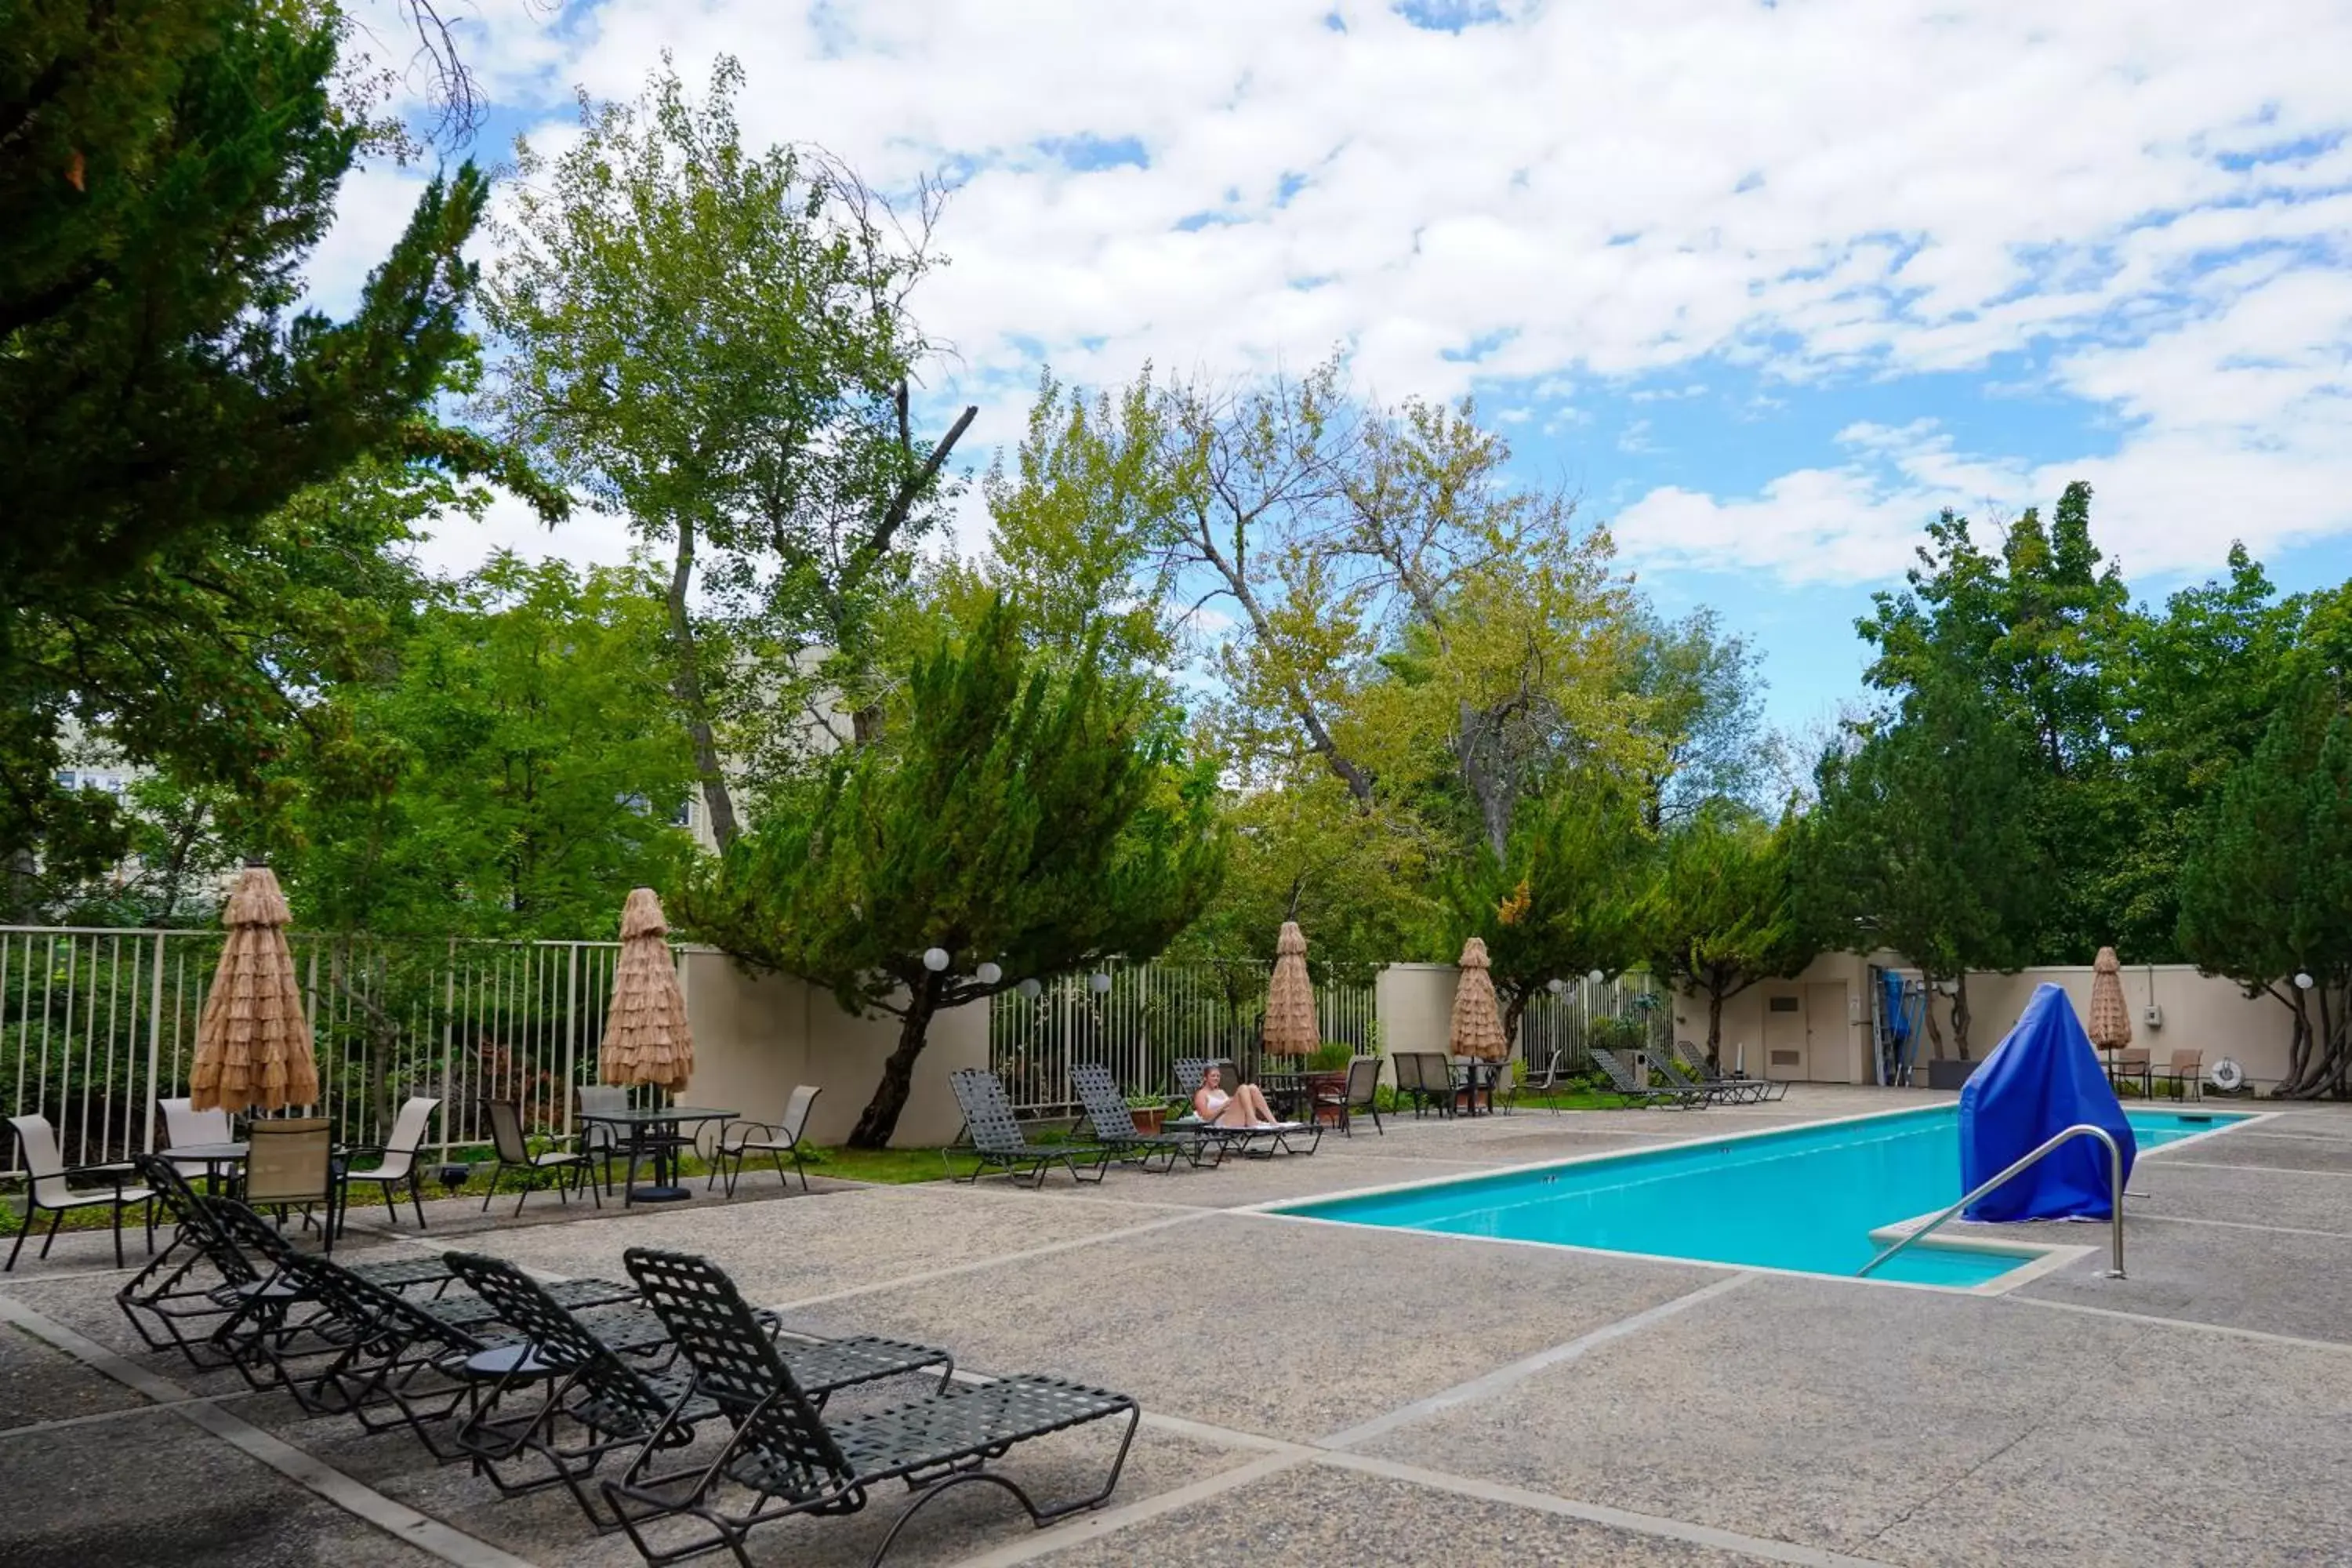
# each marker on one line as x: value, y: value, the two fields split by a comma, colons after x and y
x: 1245, y: 1107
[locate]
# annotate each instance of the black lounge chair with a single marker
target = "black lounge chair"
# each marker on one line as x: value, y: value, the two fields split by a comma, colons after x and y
x: 594, y: 1401
x: 1714, y: 1090
x: 1000, y: 1144
x: 1629, y: 1093
x: 1112, y: 1125
x: 1757, y: 1090
x: 1253, y: 1143
x: 783, y: 1456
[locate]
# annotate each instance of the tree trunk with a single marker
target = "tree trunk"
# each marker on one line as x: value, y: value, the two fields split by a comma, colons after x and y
x: 881, y: 1118
x: 1927, y: 1015
x: 686, y: 686
x: 1714, y: 1028
x: 1486, y: 777
x: 1960, y: 1015
x: 1515, y: 1006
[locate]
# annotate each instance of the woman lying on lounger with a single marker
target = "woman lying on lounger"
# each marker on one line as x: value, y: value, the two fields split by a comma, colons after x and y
x: 1245, y: 1107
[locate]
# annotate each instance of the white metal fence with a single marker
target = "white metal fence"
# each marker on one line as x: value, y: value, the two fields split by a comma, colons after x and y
x: 96, y: 1025
x: 1150, y: 1014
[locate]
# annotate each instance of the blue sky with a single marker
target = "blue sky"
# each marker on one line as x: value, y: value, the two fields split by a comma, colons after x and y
x: 1767, y: 285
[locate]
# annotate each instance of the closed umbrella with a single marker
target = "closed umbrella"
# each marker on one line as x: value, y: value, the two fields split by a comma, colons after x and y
x: 646, y: 1037
x: 1477, y: 1017
x: 2110, y: 1019
x: 1290, y: 1028
x: 253, y: 1040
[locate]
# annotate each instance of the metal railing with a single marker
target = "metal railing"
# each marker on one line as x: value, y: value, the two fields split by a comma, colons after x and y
x: 2115, y: 1213
x: 97, y: 1023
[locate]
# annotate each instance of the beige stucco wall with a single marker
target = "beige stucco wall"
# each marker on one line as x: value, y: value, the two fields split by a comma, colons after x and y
x: 754, y: 1039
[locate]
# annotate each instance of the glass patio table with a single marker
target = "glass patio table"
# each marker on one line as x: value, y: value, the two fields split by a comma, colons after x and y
x: 654, y: 1128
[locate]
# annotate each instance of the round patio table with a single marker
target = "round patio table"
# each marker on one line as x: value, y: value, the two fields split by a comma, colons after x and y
x: 657, y: 1126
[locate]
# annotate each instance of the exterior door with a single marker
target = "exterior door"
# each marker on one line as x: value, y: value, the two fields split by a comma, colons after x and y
x: 1829, y: 1038
x: 1784, y: 1035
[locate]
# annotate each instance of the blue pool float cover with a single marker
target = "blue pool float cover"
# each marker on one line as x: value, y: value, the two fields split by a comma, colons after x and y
x: 2043, y: 1077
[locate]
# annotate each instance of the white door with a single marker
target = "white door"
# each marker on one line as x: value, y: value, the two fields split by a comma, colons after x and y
x: 1828, y: 1035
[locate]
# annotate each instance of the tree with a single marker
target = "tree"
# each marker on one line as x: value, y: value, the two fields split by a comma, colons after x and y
x: 1704, y: 695
x: 1921, y: 841
x: 715, y: 344
x: 1724, y: 917
x: 1020, y: 810
x: 1571, y: 894
x: 2266, y: 892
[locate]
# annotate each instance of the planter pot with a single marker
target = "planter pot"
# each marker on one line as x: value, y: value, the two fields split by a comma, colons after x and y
x: 1147, y: 1122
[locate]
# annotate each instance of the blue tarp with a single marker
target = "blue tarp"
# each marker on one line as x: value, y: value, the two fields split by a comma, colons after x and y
x: 2043, y: 1077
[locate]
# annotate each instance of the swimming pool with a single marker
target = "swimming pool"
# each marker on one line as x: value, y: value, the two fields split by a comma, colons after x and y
x: 1802, y: 1197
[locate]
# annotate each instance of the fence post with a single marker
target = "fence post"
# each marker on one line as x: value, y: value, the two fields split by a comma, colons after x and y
x: 154, y: 1038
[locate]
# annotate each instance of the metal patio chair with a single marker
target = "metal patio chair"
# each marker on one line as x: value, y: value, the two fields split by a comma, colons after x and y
x: 741, y: 1138
x: 48, y: 1189
x: 396, y: 1158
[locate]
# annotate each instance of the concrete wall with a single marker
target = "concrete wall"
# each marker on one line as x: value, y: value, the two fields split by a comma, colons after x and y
x: 754, y: 1039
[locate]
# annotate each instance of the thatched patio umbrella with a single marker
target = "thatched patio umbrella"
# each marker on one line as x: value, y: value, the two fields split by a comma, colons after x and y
x: 1290, y: 1028
x: 646, y: 1037
x: 1477, y: 1017
x: 253, y: 1041
x: 2110, y: 1018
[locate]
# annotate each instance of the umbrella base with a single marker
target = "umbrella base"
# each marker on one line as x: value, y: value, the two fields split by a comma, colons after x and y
x: 658, y: 1195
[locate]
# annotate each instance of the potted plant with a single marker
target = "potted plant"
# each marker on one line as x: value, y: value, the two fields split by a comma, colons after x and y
x: 1148, y: 1111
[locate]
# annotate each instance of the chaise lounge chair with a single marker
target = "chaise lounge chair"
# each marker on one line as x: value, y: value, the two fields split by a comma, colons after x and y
x: 1112, y: 1125
x: 1000, y: 1144
x: 783, y: 1456
x: 1691, y: 1065
x: 1629, y: 1093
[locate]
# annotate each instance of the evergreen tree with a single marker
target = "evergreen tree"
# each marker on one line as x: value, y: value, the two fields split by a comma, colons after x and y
x: 1015, y: 812
x: 1724, y: 918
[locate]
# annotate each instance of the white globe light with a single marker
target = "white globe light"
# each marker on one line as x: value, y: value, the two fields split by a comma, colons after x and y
x: 935, y: 959
x: 988, y: 973
x: 1556, y: 985
x: 1596, y: 977
x: 1031, y: 989
x: 2302, y: 982
x: 1098, y: 982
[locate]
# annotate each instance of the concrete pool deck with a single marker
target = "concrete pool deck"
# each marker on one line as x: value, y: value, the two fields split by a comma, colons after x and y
x: 1325, y: 1394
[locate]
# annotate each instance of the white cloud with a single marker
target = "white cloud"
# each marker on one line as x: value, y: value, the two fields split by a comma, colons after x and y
x: 1833, y: 187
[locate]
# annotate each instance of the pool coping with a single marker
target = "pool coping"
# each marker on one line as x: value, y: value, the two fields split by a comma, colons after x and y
x: 2039, y: 1258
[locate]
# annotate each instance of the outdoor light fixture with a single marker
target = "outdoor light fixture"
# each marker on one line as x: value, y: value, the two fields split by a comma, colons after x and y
x: 935, y: 959
x: 1554, y: 985
x: 2302, y: 982
x: 1032, y: 989
x: 1596, y: 977
x: 988, y: 973
x: 1098, y: 982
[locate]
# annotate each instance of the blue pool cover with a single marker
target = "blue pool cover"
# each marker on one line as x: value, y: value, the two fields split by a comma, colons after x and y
x: 2043, y: 1077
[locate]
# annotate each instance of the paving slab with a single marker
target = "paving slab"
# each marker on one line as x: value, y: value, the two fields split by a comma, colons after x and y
x: 152, y: 1488
x: 88, y: 1307
x: 2295, y: 1200
x: 1320, y: 1517
x: 1814, y: 1412
x: 1238, y: 1182
x: 39, y: 1383
x: 790, y: 1251
x: 1280, y: 1326
x: 2249, y: 1147
x: 2266, y: 1280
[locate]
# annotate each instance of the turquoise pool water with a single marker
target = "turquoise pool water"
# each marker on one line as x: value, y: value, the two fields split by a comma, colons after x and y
x: 1804, y: 1198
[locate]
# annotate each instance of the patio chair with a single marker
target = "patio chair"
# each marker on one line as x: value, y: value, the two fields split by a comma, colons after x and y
x: 1629, y: 1093
x: 1503, y: 1088
x: 396, y: 1159
x: 1360, y: 1094
x: 1000, y: 1144
x: 184, y: 1127
x: 2134, y: 1065
x: 290, y: 1161
x: 50, y: 1188
x: 1110, y: 1123
x: 601, y: 1141
x: 1713, y: 1091
x: 597, y: 1401
x: 538, y: 1169
x: 1428, y: 1077
x: 2186, y: 1073
x: 785, y: 1457
x: 1695, y: 1068
x: 741, y: 1138
x: 1549, y: 1083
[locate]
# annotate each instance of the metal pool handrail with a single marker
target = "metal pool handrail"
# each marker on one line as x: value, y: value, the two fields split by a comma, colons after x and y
x: 2114, y: 1177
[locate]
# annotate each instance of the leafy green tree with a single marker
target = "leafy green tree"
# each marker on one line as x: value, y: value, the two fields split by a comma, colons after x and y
x: 1921, y: 841
x: 2265, y: 891
x: 1572, y: 893
x: 1704, y: 696
x: 715, y: 345
x: 1723, y: 916
x: 1021, y: 810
